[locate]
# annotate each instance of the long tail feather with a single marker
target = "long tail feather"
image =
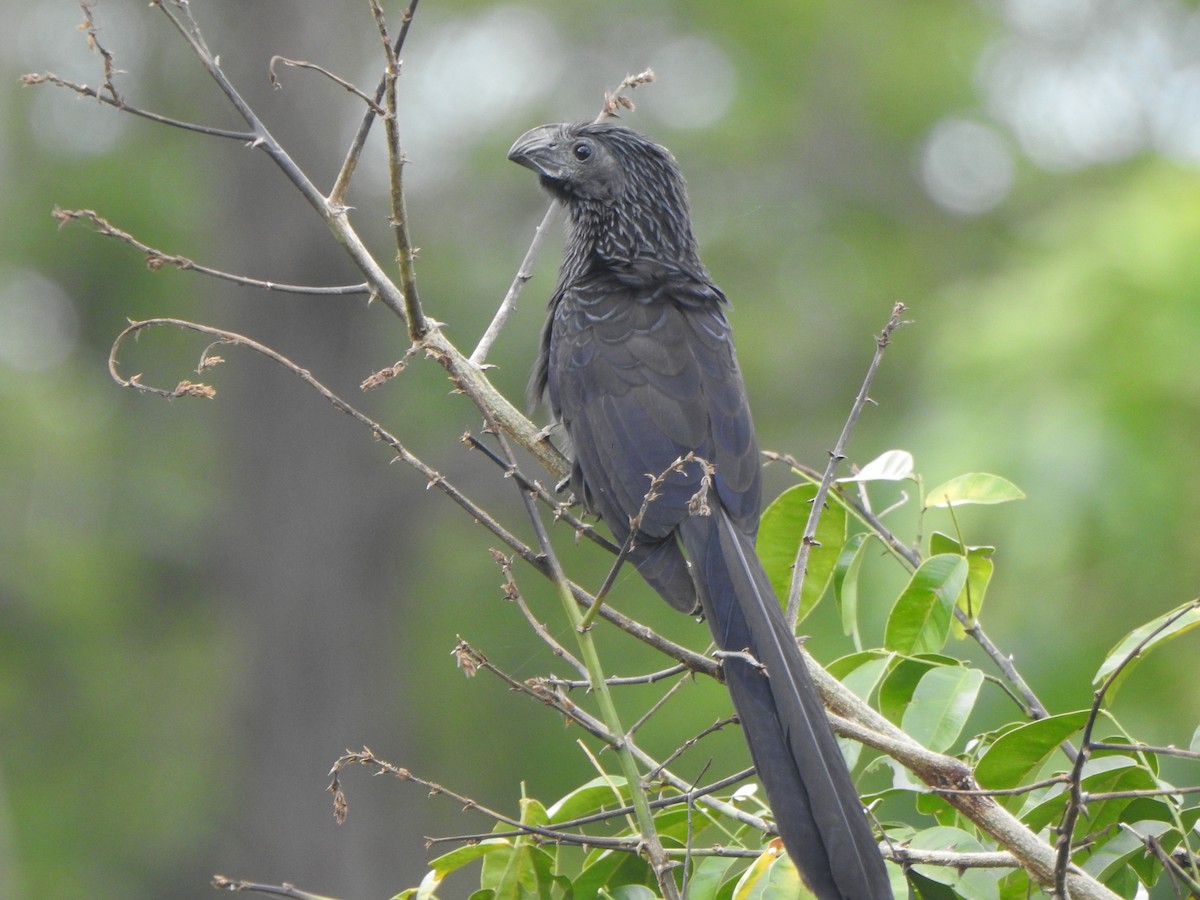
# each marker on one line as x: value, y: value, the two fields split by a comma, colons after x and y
x: 816, y: 806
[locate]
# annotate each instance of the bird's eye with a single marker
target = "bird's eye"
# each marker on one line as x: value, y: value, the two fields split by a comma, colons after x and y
x: 582, y: 151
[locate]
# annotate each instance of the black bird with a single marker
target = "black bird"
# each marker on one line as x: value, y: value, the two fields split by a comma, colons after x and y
x: 638, y: 362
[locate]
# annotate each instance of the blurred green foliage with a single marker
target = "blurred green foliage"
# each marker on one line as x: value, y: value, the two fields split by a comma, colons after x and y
x: 202, y: 604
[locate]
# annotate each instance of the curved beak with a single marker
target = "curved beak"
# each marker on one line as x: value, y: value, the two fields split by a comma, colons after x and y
x: 539, y: 149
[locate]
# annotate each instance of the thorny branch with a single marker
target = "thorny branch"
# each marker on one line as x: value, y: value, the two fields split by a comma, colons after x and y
x: 1077, y: 798
x: 157, y: 259
x: 301, y: 64
x: 697, y: 506
x: 836, y: 455
x: 234, y: 886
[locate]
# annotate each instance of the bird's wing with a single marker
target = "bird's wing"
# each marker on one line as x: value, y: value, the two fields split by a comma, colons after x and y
x: 641, y: 377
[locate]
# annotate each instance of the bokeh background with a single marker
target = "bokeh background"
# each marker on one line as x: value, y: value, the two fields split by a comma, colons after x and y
x: 203, y: 603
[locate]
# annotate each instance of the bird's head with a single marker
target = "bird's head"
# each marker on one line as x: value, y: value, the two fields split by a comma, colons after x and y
x: 573, y: 161
x: 625, y: 192
x: 609, y: 163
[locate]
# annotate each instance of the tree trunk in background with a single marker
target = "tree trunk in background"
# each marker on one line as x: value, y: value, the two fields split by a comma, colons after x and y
x: 308, y: 552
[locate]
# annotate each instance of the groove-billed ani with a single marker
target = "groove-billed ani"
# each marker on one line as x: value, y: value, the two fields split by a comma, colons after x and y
x: 638, y: 362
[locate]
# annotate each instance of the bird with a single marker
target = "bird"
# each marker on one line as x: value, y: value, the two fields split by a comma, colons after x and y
x: 638, y: 366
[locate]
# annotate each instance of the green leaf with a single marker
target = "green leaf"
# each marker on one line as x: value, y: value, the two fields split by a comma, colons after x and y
x: 1100, y: 775
x: 1147, y: 865
x: 941, y: 704
x: 524, y: 870
x: 920, y: 620
x: 971, y: 884
x: 1113, y: 854
x: 1194, y: 746
x: 587, y: 799
x: 845, y: 582
x: 710, y: 875
x: 896, y: 691
x: 1017, y: 755
x: 861, y: 673
x: 632, y: 892
x: 979, y: 574
x: 1185, y: 618
x: 928, y: 889
x: 973, y: 487
x: 772, y: 876
x: 779, y: 536
x: 893, y: 465
x: 456, y: 859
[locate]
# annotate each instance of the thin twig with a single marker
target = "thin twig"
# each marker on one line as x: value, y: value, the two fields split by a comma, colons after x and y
x: 83, y: 90
x: 561, y: 511
x: 366, y: 758
x: 301, y: 64
x: 1147, y: 748
x: 1088, y: 796
x: 93, y: 41
x: 188, y: 388
x: 524, y: 274
x: 224, y: 883
x: 617, y: 680
x: 657, y: 704
x: 406, y: 253
x: 157, y: 259
x: 341, y: 184
x: 698, y: 505
x: 618, y: 812
x: 836, y: 455
x: 1077, y: 798
x: 694, y: 740
x: 513, y: 593
x: 1004, y: 792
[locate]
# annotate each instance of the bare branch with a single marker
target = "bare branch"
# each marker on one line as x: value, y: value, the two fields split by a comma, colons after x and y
x: 1146, y: 748
x: 562, y: 511
x: 1077, y: 798
x: 1088, y: 796
x: 223, y: 883
x: 618, y: 681
x: 93, y: 41
x: 301, y: 64
x: 85, y: 91
x: 697, y: 506
x: 513, y: 593
x: 406, y: 253
x: 366, y: 758
x: 543, y: 690
x: 836, y: 455
x: 157, y: 259
x: 341, y: 184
